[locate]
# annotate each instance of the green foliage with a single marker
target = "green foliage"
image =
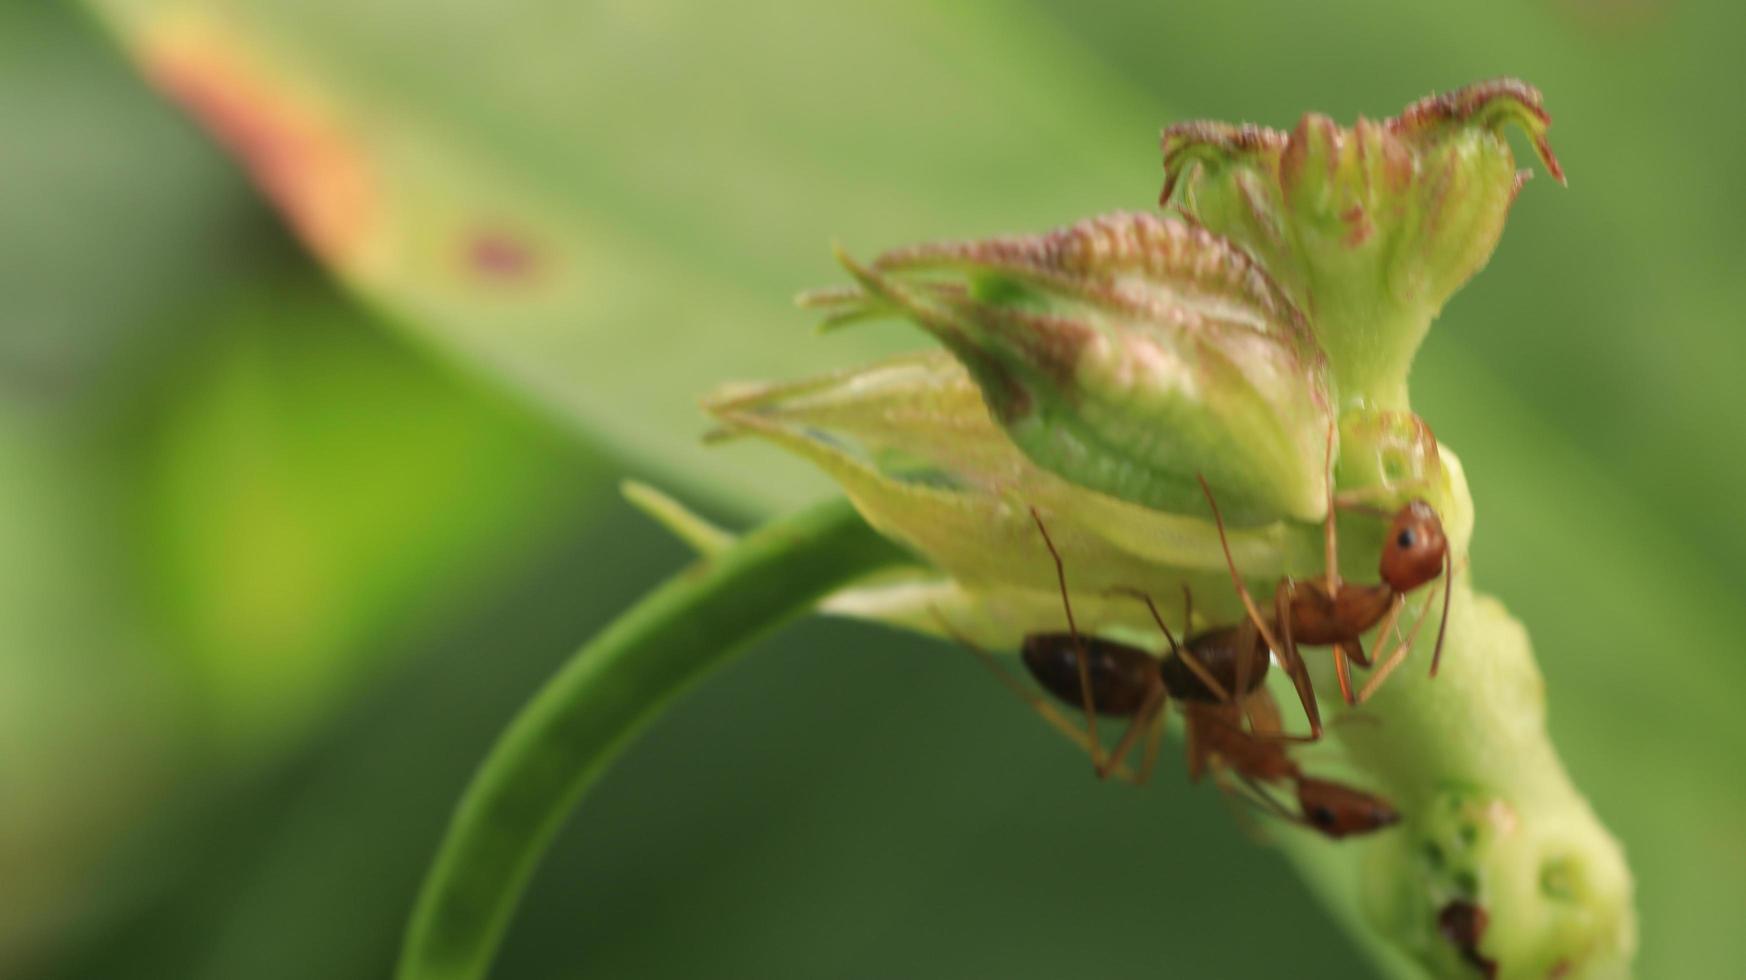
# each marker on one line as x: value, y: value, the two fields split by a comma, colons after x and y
x: 1587, y: 378
x: 527, y: 219
x: 303, y: 486
x: 230, y: 498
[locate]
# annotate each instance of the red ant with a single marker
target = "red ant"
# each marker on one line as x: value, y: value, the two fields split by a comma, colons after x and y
x: 1336, y: 613
x: 1216, y: 736
x: 1104, y: 676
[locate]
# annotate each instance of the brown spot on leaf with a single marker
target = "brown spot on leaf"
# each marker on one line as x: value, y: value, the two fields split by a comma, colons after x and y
x: 501, y: 257
x: 293, y: 149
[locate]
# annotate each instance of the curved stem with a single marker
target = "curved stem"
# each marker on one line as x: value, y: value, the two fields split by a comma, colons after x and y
x: 566, y: 736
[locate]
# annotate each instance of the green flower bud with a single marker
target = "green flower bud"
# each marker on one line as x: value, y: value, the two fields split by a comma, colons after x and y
x: 1370, y: 229
x: 913, y: 446
x: 1128, y: 354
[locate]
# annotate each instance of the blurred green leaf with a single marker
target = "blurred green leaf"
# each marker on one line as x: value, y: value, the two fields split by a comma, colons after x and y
x: 98, y: 175
x: 194, y: 582
x: 593, y: 210
x: 608, y: 205
x: 226, y: 497
x: 1633, y: 636
x: 305, y: 491
x: 78, y: 680
x: 82, y: 319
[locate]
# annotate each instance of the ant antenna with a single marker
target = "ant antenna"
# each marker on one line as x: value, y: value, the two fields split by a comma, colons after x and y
x: 1079, y: 651
x: 1448, y: 593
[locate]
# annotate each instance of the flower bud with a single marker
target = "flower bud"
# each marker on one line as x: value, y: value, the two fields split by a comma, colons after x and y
x: 1370, y: 229
x: 1128, y: 354
x: 918, y: 453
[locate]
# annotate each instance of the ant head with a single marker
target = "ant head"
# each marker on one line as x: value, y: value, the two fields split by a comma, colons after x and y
x: 1338, y: 811
x: 1415, y: 550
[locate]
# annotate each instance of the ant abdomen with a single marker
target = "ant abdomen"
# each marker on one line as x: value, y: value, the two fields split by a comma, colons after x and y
x: 1220, y: 652
x: 1122, y: 677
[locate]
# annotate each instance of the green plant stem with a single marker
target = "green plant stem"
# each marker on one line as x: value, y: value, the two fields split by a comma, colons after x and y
x: 574, y: 727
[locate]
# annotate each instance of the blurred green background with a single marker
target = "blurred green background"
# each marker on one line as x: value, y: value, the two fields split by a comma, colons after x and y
x: 288, y: 536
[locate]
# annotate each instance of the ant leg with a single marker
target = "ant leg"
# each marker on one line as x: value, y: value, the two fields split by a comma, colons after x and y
x: 1151, y: 607
x: 1346, y: 653
x: 1154, y: 738
x: 1443, y: 626
x: 1245, y: 642
x: 1343, y: 673
x: 1054, y: 718
x: 1141, y: 724
x: 1330, y: 543
x: 1188, y: 656
x: 1268, y: 737
x: 1255, y: 616
x: 1149, y: 718
x: 1292, y: 661
x: 1089, y: 707
x: 1401, y: 647
x: 1398, y: 635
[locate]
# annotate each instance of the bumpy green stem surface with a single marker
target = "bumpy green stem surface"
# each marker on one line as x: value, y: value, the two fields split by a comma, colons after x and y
x: 606, y: 693
x: 1491, y: 819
